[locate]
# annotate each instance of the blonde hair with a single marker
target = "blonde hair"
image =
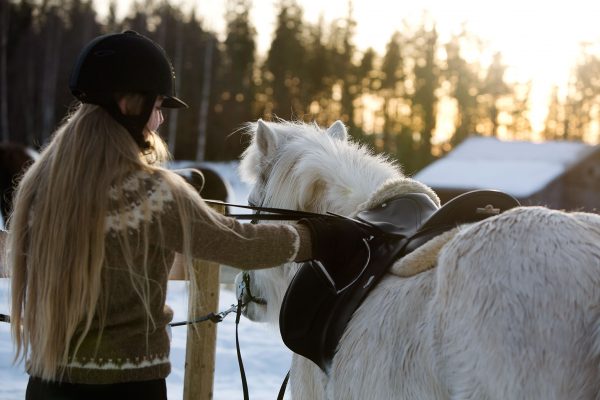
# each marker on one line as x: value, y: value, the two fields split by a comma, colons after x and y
x: 57, y: 235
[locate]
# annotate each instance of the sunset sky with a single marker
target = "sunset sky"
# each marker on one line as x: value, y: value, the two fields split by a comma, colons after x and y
x: 539, y: 40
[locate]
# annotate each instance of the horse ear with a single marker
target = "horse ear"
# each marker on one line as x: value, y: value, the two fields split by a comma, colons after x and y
x: 337, y: 130
x: 265, y: 138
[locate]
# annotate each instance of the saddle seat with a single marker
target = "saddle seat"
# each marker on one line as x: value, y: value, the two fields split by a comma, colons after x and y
x: 313, y: 316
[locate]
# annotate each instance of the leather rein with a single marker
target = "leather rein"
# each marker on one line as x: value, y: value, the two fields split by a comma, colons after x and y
x: 275, y: 214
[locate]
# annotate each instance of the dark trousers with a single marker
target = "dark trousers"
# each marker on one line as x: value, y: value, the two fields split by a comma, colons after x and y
x: 146, y: 390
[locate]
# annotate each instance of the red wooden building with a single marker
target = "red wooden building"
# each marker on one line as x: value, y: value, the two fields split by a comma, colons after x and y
x: 557, y: 174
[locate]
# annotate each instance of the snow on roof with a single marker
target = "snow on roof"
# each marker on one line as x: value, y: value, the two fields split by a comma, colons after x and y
x: 516, y: 167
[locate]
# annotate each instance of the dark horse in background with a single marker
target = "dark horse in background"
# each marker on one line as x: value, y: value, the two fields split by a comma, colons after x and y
x: 14, y: 160
x: 211, y: 185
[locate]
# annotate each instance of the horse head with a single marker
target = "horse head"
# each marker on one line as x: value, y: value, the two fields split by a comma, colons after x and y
x: 304, y: 167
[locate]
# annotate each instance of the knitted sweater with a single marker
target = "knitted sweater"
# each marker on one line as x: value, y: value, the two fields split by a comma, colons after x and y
x: 128, y: 349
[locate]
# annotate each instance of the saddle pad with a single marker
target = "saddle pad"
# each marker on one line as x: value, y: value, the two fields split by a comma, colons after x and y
x: 423, y: 258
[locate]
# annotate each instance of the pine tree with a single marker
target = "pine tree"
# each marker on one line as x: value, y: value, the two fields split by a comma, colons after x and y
x: 520, y: 126
x: 81, y: 26
x: 424, y: 100
x: 494, y: 88
x: 22, y: 71
x: 236, y: 82
x: 316, y: 87
x: 200, y: 60
x: 366, y: 76
x: 344, y: 70
x: 169, y: 34
x: 554, y: 119
x: 285, y: 64
x: 51, y: 34
x: 391, y: 89
x: 465, y: 85
x: 582, y: 106
x: 4, y: 21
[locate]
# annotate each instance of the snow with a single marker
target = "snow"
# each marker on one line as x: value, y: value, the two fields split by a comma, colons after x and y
x: 266, y: 359
x: 516, y: 167
x: 228, y: 171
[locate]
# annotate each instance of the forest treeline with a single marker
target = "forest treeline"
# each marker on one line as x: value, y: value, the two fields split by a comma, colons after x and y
x: 312, y: 71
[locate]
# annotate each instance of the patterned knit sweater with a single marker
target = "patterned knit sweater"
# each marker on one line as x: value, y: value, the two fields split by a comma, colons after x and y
x: 124, y: 351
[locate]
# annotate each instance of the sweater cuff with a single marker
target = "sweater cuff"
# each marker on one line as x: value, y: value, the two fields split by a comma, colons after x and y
x: 304, y: 244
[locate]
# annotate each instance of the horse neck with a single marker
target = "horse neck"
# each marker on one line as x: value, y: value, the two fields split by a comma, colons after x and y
x: 345, y: 198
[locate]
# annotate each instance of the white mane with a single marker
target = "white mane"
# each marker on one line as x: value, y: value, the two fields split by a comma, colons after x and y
x: 302, y: 163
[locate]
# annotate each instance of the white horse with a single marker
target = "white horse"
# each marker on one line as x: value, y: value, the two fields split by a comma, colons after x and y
x: 506, y: 308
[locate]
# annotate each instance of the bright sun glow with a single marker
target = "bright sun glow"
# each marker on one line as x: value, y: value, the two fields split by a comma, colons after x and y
x: 539, y: 40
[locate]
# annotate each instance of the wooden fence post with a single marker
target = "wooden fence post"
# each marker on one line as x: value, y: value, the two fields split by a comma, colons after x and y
x: 201, y: 343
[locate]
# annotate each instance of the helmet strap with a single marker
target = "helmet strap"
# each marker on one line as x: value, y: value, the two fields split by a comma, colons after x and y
x: 134, y: 124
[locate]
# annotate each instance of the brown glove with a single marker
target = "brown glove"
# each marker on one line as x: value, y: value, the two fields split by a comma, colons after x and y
x: 339, y: 248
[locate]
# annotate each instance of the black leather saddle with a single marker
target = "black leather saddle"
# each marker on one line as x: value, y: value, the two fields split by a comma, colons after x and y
x: 313, y: 316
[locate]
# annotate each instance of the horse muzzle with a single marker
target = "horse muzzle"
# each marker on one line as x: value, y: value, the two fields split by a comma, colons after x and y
x: 243, y: 291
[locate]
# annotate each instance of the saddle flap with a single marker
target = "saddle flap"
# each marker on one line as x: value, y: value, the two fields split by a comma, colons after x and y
x: 313, y: 317
x: 305, y: 313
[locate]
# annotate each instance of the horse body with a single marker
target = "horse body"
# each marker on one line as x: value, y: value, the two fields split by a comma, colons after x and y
x: 510, y: 311
x: 515, y: 311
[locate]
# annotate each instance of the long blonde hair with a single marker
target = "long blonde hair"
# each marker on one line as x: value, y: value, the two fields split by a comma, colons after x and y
x: 57, y: 235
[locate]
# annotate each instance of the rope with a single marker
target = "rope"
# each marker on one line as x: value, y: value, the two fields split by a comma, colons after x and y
x: 214, y: 317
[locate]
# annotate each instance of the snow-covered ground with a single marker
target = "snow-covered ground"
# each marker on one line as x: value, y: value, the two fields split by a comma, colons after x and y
x: 266, y: 359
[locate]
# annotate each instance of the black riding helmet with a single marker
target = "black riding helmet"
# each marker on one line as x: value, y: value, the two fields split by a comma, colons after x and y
x: 124, y: 63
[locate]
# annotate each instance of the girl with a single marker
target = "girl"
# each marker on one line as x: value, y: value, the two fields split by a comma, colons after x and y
x: 97, y: 223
